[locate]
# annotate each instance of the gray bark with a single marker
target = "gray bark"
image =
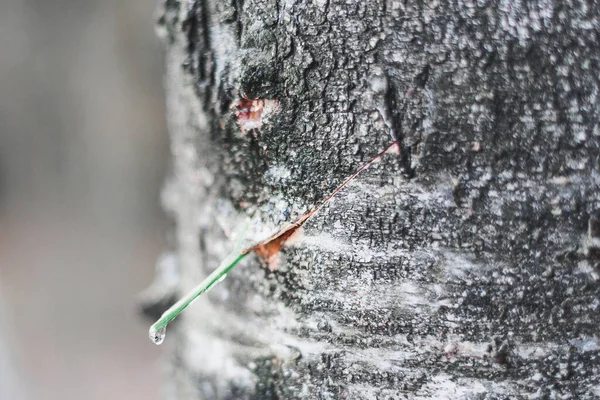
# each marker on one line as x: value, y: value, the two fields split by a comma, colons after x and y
x: 466, y: 267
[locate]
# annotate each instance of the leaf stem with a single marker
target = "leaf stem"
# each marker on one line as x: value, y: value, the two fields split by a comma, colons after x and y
x: 204, y: 286
x: 215, y: 277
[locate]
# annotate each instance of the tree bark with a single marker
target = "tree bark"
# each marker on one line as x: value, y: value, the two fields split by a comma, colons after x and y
x: 464, y: 267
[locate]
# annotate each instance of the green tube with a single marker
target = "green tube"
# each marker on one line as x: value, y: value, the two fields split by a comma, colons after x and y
x: 158, y: 329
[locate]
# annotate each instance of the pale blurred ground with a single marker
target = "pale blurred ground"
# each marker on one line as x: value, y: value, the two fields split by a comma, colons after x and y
x: 83, y: 150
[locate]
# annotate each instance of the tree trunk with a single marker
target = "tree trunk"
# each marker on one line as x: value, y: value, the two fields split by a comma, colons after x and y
x: 464, y: 266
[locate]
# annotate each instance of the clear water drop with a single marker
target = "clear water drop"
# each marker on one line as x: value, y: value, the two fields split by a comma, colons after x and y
x: 157, y: 336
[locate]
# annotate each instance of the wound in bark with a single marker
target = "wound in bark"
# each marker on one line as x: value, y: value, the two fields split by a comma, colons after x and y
x: 250, y: 113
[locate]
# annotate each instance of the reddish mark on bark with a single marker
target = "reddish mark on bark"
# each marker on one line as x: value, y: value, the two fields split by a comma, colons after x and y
x: 250, y: 113
x: 249, y: 109
x: 268, y: 248
x: 271, y: 246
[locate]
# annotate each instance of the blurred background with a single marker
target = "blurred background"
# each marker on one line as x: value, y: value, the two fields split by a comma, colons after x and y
x: 83, y: 150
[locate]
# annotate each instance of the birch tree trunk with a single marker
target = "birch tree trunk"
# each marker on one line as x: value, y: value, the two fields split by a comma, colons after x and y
x: 464, y: 267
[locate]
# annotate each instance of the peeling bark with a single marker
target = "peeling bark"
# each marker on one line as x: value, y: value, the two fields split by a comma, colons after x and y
x: 465, y: 267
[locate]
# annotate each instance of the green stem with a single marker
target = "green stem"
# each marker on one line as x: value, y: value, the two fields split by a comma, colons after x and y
x: 215, y: 277
x: 205, y: 285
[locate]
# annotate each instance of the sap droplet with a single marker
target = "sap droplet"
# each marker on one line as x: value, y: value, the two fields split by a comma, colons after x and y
x: 157, y: 336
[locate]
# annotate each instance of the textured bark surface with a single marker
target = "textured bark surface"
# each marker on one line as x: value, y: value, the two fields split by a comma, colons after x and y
x: 466, y: 267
